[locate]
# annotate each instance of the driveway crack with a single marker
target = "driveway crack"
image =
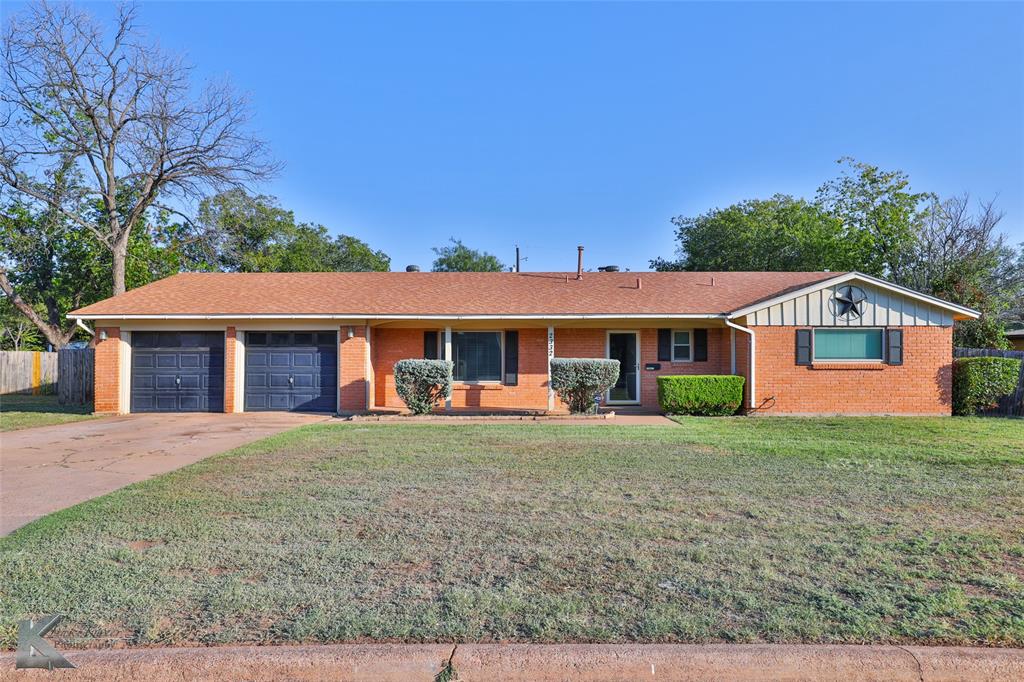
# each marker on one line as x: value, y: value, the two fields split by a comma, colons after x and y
x: 447, y: 673
x: 920, y: 670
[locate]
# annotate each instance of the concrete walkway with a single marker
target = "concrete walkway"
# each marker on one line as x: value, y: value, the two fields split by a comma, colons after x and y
x: 540, y: 663
x: 52, y: 467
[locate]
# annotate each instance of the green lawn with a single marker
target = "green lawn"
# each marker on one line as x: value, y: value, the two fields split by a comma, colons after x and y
x: 733, y: 529
x: 24, y: 411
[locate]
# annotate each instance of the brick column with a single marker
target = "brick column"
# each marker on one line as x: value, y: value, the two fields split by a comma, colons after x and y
x: 229, y: 370
x: 107, y: 373
x: 352, y: 374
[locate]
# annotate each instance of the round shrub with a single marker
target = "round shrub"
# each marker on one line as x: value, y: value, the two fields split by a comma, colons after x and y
x: 422, y: 383
x: 979, y: 383
x: 578, y: 380
x: 710, y: 395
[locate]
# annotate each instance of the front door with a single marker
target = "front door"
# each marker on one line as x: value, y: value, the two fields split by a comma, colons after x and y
x: 623, y: 346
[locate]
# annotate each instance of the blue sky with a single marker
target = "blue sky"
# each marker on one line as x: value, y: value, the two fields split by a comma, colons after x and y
x: 552, y: 125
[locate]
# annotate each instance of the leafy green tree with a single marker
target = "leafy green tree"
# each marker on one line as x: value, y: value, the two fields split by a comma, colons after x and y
x: 460, y: 258
x: 16, y: 331
x: 780, y: 233
x: 254, y: 234
x: 881, y: 217
x: 51, y: 265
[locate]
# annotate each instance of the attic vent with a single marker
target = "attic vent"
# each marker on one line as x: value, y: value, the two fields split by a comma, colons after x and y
x: 608, y: 268
x: 412, y: 268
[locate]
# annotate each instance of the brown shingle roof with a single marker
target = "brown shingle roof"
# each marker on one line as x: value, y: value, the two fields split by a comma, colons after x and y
x: 466, y: 293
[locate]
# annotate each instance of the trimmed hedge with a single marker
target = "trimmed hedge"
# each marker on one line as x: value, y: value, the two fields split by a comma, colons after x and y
x: 422, y: 383
x: 578, y: 380
x: 706, y: 394
x: 979, y: 383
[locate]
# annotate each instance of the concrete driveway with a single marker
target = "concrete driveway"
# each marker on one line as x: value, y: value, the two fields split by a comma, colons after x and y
x: 52, y: 467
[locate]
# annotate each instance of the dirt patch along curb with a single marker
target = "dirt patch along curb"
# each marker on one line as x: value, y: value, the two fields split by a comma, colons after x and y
x: 539, y: 663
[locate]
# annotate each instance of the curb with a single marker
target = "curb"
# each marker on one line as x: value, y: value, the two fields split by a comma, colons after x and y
x: 539, y: 663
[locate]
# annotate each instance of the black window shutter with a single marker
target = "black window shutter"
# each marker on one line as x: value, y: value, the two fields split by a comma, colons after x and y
x: 665, y: 345
x: 894, y: 354
x: 511, y: 358
x: 803, y: 347
x: 430, y: 345
x: 700, y: 345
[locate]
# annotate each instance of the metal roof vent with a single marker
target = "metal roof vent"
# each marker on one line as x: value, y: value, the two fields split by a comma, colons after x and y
x: 608, y: 268
x: 412, y: 268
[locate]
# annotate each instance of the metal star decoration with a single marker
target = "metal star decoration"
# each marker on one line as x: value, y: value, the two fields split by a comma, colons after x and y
x: 849, y: 302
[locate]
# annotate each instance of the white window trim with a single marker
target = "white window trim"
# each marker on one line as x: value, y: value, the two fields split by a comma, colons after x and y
x: 866, y: 361
x: 689, y: 345
x: 501, y: 345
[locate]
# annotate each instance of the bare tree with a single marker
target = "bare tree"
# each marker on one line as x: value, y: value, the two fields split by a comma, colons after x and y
x: 125, y: 112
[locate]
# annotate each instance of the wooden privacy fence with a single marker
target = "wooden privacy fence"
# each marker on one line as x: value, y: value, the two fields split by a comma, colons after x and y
x: 1011, y: 405
x: 75, y: 368
x: 67, y: 373
x: 27, y: 371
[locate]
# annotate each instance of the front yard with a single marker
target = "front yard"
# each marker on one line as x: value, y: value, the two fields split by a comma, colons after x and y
x: 25, y: 411
x: 738, y: 530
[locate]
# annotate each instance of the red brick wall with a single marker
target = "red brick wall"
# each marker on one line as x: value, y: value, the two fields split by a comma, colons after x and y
x: 352, y: 375
x: 229, y: 369
x: 921, y: 385
x: 391, y: 345
x: 107, y: 378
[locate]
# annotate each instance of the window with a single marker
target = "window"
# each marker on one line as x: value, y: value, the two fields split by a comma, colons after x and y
x: 681, y: 346
x: 848, y: 344
x: 476, y: 356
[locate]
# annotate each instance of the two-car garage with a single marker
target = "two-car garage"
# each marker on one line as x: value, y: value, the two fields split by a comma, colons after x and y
x: 183, y: 371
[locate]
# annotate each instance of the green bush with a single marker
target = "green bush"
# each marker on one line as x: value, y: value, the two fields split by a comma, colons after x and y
x: 422, y: 383
x: 979, y: 383
x: 578, y: 380
x: 700, y: 394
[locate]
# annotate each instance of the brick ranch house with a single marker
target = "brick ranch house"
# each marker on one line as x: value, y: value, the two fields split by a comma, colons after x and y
x: 807, y: 342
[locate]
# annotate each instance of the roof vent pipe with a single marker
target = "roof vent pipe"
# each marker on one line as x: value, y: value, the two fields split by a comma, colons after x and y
x: 412, y: 268
x: 579, y: 262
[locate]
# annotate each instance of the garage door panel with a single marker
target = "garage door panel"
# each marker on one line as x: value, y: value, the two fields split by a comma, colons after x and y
x: 285, y: 371
x: 304, y: 359
x: 166, y: 360
x: 185, y: 374
x: 280, y: 359
x: 191, y: 360
x: 279, y: 401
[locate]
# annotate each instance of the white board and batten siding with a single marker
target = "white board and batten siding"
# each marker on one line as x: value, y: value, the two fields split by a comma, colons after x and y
x: 881, y: 309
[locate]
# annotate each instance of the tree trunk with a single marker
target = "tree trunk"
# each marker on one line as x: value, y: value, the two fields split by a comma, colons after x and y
x: 55, y: 335
x: 120, y: 256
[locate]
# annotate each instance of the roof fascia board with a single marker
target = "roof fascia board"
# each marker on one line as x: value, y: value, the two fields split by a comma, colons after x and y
x: 356, y: 316
x: 846, y: 277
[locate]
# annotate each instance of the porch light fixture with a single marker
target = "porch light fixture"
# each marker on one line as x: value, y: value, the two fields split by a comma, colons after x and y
x: 103, y: 335
x: 351, y: 332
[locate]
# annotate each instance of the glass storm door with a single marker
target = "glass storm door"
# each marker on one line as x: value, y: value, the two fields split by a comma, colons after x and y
x: 622, y: 346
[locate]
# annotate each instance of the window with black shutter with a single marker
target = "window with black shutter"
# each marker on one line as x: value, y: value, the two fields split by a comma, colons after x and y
x: 894, y: 347
x: 511, y: 358
x: 665, y: 345
x: 804, y: 350
x: 430, y: 345
x: 700, y: 345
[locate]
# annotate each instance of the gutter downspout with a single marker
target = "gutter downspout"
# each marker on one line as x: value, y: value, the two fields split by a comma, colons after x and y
x: 78, y: 322
x: 753, y: 359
